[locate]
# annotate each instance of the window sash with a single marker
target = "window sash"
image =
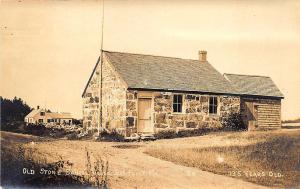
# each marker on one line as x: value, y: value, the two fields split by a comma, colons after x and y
x: 177, y: 107
x: 213, y: 105
x: 177, y: 103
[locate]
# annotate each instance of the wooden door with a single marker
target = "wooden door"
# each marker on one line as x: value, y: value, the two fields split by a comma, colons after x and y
x: 255, y: 114
x: 252, y: 115
x: 249, y: 115
x: 144, y: 116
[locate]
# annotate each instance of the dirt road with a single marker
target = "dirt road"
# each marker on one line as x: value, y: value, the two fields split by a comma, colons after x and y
x: 129, y: 167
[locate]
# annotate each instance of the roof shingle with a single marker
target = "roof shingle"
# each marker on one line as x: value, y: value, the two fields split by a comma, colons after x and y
x: 254, y: 85
x: 166, y: 73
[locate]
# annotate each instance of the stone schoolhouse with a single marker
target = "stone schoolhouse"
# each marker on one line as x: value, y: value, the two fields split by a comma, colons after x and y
x: 136, y: 93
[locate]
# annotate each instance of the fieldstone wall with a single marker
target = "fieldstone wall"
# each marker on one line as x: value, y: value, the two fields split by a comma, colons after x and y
x: 131, y: 112
x: 268, y: 113
x: 114, y: 100
x: 195, y: 111
x: 91, y: 103
x: 113, y: 103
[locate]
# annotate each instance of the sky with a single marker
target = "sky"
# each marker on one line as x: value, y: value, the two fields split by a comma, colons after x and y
x: 48, y: 48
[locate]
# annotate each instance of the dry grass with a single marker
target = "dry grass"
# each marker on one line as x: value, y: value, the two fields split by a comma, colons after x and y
x: 15, y: 160
x: 97, y: 171
x: 240, y: 151
x: 269, y: 158
x: 19, y: 152
x: 127, y: 146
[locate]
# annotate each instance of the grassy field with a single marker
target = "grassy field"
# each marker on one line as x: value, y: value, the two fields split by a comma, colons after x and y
x: 216, y: 160
x: 267, y: 158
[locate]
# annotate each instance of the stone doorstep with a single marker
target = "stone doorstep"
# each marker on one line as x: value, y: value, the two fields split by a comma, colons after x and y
x: 147, y: 136
x: 132, y: 138
x: 137, y: 137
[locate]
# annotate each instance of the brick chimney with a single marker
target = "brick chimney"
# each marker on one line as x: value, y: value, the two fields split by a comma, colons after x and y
x: 202, y: 56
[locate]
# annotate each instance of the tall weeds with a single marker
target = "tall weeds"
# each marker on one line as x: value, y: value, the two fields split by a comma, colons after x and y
x: 97, y: 171
x: 18, y: 164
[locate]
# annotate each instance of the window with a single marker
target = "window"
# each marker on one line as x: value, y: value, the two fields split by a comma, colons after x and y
x: 213, y: 105
x: 92, y: 100
x: 41, y: 121
x: 42, y: 113
x: 177, y: 103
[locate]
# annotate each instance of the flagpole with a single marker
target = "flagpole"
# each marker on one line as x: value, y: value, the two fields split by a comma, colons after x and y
x: 101, y: 66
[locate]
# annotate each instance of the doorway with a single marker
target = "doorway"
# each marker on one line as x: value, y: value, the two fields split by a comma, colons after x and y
x: 144, y: 116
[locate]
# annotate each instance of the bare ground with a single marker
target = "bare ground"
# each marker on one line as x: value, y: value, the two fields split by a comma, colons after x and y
x: 130, y: 167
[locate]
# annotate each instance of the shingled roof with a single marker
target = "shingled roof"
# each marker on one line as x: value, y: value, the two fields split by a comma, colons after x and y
x: 254, y: 85
x: 166, y: 73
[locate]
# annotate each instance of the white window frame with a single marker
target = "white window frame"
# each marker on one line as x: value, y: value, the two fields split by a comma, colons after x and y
x: 182, y: 104
x: 218, y: 102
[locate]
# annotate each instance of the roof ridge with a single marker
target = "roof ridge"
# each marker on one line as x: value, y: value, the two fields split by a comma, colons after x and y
x: 149, y: 55
x: 247, y: 75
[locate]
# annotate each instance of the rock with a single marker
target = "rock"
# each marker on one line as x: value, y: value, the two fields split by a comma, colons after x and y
x: 195, y: 117
x: 175, y: 124
x: 191, y: 110
x: 130, y: 121
x: 157, y: 108
x: 190, y: 97
x: 158, y: 125
x: 203, y: 125
x: 191, y: 125
x: 204, y: 99
x: 160, y: 118
x: 130, y: 96
x: 130, y: 105
x: 134, y: 113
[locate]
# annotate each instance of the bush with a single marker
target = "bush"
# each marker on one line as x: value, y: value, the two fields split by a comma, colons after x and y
x: 234, y: 122
x: 111, y: 136
x: 77, y: 122
x: 57, y: 132
x: 72, y: 136
x: 166, y: 134
x: 14, y: 126
x: 192, y: 132
x: 38, y: 130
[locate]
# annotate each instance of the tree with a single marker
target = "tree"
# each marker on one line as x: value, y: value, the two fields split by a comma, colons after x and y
x: 13, y: 110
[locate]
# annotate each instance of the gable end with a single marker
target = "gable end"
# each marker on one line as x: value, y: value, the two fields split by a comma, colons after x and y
x: 91, y: 76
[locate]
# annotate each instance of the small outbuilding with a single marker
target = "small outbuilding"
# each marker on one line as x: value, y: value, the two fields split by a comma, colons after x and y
x: 136, y: 93
x: 260, y: 100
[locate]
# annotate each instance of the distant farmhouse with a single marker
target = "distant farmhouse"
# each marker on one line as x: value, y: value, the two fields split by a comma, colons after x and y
x: 42, y: 116
x: 147, y: 94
